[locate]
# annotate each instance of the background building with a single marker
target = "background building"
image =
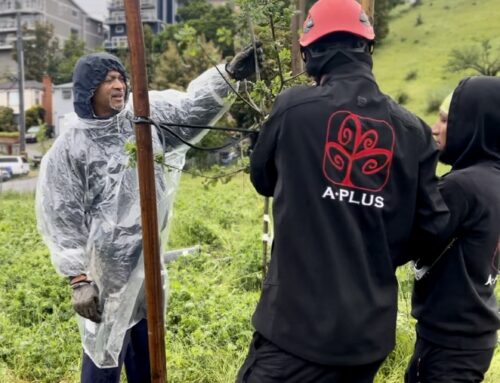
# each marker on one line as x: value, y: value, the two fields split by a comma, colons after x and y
x: 9, y: 95
x: 63, y: 104
x: 65, y: 15
x: 154, y: 13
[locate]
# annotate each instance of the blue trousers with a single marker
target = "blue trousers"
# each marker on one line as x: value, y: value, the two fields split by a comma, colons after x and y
x: 135, y: 356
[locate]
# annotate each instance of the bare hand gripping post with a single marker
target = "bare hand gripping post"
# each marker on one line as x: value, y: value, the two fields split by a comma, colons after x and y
x: 145, y: 164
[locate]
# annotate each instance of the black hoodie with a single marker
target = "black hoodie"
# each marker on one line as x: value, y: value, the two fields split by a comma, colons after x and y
x: 350, y: 171
x: 455, y: 304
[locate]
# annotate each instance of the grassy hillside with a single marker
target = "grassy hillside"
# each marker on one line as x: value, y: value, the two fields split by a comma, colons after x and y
x: 212, y: 294
x: 424, y: 49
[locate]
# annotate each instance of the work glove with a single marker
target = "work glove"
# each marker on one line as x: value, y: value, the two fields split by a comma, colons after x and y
x: 85, y: 299
x: 243, y: 64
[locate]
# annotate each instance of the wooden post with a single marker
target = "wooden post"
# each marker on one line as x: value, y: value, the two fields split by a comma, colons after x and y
x: 369, y: 8
x: 296, y: 24
x: 147, y: 187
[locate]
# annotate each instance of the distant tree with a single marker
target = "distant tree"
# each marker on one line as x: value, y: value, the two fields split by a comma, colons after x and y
x: 34, y: 116
x: 393, y: 3
x: 381, y: 19
x: 176, y: 69
x: 42, y: 138
x: 216, y: 23
x: 40, y: 51
x: 7, y: 123
x: 477, y: 57
x: 73, y: 49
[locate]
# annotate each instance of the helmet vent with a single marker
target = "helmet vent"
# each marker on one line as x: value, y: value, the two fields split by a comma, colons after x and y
x: 309, y: 24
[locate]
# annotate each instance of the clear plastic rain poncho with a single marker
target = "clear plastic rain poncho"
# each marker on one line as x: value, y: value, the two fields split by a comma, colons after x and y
x: 87, y: 199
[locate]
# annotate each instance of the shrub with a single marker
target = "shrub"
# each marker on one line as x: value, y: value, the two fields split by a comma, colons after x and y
x: 411, y: 75
x: 402, y: 97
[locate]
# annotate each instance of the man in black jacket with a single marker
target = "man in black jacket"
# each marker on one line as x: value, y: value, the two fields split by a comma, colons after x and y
x: 454, y: 302
x: 351, y: 173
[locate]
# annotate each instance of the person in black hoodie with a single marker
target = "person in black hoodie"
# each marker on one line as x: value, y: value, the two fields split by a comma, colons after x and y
x: 454, y: 301
x: 350, y: 172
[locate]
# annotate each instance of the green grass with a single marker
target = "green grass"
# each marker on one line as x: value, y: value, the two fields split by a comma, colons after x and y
x: 212, y: 294
x: 424, y: 49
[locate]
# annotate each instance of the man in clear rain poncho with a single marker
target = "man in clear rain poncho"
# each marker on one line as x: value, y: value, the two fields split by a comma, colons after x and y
x: 88, y: 207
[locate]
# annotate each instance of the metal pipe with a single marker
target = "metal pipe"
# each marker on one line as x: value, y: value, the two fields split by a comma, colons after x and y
x: 20, y: 81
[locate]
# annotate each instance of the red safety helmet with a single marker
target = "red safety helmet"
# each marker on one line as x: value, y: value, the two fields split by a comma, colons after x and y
x: 329, y: 16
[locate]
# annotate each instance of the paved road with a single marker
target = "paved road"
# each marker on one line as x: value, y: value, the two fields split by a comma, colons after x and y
x: 22, y: 185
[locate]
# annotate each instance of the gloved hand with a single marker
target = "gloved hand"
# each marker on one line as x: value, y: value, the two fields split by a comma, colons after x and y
x: 243, y: 64
x: 86, y: 300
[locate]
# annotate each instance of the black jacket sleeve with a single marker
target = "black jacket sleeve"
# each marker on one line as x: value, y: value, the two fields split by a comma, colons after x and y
x: 431, y: 223
x: 263, y: 172
x: 456, y: 200
x: 432, y: 214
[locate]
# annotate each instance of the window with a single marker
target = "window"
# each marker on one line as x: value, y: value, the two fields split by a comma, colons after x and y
x: 74, y: 31
x: 66, y: 94
x: 119, y: 29
x: 13, y: 99
x: 74, y: 13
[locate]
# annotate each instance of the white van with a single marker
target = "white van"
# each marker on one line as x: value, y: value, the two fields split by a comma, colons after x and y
x: 15, y: 165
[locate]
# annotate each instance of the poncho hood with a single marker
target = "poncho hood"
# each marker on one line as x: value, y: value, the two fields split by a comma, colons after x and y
x: 473, y: 132
x: 90, y: 71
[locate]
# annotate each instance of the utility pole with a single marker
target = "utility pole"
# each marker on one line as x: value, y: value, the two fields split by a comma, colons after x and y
x: 20, y: 81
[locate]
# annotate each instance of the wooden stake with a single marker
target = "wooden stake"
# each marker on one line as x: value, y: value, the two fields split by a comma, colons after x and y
x: 147, y: 187
x: 369, y: 8
x: 296, y: 24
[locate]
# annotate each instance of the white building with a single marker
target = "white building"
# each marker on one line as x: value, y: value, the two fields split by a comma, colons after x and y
x: 65, y: 15
x: 62, y: 99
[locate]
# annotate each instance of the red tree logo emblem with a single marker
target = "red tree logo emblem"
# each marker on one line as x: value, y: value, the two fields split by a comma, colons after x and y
x: 358, y: 151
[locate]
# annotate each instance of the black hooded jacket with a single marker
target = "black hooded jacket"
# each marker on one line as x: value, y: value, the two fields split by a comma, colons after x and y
x: 350, y: 172
x: 455, y: 304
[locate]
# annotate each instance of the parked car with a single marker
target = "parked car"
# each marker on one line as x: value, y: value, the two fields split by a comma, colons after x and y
x: 4, y: 175
x: 36, y: 160
x: 31, y: 134
x: 227, y: 158
x: 15, y: 165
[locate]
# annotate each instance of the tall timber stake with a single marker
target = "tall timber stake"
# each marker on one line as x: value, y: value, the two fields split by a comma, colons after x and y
x: 145, y: 163
x: 369, y: 8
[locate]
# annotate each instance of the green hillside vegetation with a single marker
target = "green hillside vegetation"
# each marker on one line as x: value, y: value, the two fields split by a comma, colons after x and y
x: 212, y: 294
x: 420, y: 41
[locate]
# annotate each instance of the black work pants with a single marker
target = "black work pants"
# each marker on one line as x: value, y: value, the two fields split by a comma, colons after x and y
x: 432, y: 363
x: 135, y: 356
x: 267, y: 363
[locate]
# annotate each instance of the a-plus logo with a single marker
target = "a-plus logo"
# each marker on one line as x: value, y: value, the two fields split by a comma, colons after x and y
x: 493, y: 277
x: 358, y: 151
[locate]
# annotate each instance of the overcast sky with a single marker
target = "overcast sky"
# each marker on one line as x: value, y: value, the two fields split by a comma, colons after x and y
x: 94, y: 8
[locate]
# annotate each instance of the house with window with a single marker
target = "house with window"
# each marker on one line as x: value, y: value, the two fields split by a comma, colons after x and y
x: 65, y: 15
x: 9, y: 95
x: 154, y: 13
